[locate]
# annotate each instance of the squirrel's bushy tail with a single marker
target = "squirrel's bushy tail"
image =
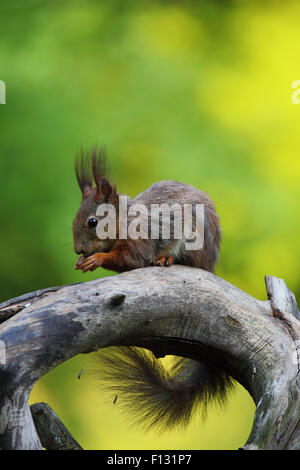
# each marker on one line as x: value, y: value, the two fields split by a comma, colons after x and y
x: 154, y: 395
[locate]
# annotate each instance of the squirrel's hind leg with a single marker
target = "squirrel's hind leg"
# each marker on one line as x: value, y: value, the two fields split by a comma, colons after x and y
x: 168, y: 252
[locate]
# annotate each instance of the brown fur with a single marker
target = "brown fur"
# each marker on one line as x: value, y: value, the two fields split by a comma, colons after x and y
x: 131, y: 254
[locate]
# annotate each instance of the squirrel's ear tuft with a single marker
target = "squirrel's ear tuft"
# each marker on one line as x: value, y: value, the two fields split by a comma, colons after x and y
x: 99, y: 163
x: 93, y: 164
x: 83, y: 173
x: 104, y: 189
x: 100, y: 171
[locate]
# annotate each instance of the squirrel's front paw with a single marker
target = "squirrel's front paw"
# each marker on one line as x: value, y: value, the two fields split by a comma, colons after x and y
x: 90, y: 263
x: 79, y: 262
x: 163, y: 260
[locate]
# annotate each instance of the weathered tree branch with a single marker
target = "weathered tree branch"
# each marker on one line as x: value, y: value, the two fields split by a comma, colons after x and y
x: 175, y: 310
x: 51, y: 431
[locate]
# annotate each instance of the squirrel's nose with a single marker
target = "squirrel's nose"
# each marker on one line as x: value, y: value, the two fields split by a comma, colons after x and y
x: 80, y: 252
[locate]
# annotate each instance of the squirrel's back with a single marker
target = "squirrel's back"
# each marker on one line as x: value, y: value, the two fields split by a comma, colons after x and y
x: 172, y: 193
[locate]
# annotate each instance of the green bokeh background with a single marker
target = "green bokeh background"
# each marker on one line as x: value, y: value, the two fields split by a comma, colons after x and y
x: 193, y: 91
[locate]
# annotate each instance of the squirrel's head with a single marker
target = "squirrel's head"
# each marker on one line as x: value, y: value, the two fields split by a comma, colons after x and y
x: 92, y: 167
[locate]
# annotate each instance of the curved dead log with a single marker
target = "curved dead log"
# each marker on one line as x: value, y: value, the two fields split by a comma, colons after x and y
x: 175, y: 310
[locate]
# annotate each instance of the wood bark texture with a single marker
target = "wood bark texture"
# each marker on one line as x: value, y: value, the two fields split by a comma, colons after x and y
x: 175, y: 310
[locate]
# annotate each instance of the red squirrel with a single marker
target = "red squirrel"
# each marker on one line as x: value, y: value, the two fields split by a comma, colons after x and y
x: 154, y: 395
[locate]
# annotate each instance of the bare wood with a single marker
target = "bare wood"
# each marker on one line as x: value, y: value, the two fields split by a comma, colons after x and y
x: 51, y: 431
x: 175, y: 310
x: 10, y: 307
x: 284, y: 306
x: 282, y: 299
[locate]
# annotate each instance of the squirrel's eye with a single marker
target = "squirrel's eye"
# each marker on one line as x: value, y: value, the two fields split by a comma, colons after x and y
x: 92, y: 222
